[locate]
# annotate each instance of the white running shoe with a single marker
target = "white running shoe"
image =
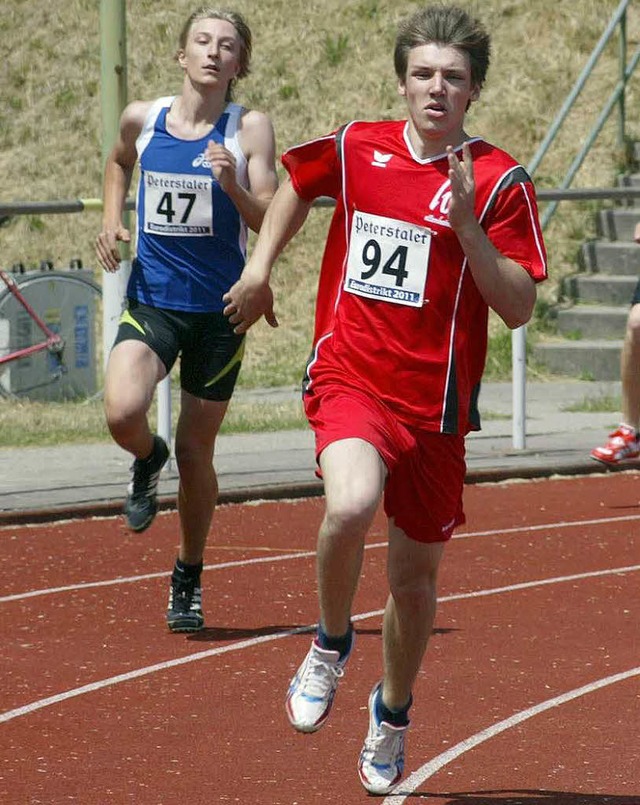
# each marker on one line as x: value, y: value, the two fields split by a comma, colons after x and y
x: 381, y: 761
x: 312, y: 689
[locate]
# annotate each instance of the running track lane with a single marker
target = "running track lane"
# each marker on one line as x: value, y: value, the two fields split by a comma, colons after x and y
x: 530, y: 613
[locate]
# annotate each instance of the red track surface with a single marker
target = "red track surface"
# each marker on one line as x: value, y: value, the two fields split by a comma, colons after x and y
x: 534, y: 622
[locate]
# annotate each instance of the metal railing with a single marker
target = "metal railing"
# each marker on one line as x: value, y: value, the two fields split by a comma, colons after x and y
x: 617, y: 97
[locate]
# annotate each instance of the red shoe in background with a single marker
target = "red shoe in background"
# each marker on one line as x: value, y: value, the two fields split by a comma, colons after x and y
x: 623, y: 443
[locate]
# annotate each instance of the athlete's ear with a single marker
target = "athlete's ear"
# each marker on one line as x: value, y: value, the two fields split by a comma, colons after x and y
x: 402, y: 88
x: 181, y: 59
x: 475, y: 94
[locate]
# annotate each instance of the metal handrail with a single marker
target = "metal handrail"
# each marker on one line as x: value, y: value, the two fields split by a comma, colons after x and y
x: 619, y: 17
x: 11, y: 208
x: 617, y: 93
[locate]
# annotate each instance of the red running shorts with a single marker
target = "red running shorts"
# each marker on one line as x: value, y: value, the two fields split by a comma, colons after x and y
x: 426, y: 469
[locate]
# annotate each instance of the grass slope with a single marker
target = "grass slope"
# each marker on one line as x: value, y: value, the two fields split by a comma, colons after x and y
x: 315, y: 66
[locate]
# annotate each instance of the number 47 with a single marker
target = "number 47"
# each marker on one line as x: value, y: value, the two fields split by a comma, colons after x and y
x: 166, y: 206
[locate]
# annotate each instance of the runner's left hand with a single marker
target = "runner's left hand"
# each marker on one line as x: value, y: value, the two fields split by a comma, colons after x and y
x: 463, y: 188
x: 223, y: 165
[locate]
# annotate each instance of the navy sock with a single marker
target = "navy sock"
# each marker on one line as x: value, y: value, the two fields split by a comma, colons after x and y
x: 397, y: 718
x: 184, y: 572
x: 340, y: 644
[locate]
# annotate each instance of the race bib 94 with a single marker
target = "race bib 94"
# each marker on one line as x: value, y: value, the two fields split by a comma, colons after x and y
x: 177, y: 204
x: 388, y: 259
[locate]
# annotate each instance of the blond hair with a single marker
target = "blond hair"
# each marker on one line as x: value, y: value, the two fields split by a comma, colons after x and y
x: 238, y: 22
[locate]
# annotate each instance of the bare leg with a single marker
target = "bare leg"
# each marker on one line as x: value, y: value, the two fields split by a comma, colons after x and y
x: 133, y: 371
x: 196, y: 433
x: 630, y: 370
x: 354, y: 476
x: 409, y: 614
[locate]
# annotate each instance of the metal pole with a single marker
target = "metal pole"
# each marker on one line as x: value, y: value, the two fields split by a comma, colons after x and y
x: 577, y: 88
x: 113, y: 99
x: 519, y: 388
x: 623, y: 77
x: 113, y: 94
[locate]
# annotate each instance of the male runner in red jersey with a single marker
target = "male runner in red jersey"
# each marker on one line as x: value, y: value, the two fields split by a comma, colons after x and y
x: 431, y: 228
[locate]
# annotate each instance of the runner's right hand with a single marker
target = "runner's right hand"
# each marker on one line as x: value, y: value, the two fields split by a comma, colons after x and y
x: 107, y: 250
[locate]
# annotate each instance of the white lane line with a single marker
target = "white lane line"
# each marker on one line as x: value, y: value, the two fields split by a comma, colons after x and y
x: 418, y: 777
x: 548, y: 526
x: 85, y: 585
x: 540, y: 583
x: 254, y: 641
x: 301, y: 555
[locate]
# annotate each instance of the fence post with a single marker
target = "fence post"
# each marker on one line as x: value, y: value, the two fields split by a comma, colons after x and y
x: 113, y: 99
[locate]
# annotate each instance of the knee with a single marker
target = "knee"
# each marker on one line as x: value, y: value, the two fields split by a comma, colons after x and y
x: 349, y: 514
x: 193, y: 456
x: 121, y: 418
x: 413, y: 593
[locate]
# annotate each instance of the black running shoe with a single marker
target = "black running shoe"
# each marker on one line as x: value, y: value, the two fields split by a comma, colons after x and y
x: 184, y: 613
x: 141, y: 504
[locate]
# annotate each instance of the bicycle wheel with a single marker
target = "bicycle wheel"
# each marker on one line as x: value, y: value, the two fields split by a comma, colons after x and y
x: 69, y: 304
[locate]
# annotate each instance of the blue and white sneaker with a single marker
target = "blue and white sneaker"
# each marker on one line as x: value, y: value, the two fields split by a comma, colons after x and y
x: 381, y: 763
x: 313, y: 687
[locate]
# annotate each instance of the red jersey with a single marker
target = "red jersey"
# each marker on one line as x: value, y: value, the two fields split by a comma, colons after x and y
x: 398, y: 313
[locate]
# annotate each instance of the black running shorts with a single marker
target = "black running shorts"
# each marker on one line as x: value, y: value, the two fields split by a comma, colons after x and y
x: 210, y: 352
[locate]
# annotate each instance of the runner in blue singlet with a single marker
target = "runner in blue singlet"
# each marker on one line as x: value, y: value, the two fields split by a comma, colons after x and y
x: 207, y: 174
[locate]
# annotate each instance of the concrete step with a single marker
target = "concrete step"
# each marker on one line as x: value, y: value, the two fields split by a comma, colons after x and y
x: 630, y: 180
x: 592, y: 321
x: 617, y: 224
x: 587, y: 360
x: 611, y: 257
x: 602, y: 289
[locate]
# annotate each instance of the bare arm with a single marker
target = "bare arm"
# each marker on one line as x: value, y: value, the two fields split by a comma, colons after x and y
x: 251, y: 296
x: 258, y: 143
x: 504, y: 284
x: 117, y: 179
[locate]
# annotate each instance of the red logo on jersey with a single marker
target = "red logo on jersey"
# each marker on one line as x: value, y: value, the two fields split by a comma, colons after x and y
x: 439, y: 206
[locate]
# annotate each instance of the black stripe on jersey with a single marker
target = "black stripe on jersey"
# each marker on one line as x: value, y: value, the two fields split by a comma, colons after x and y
x: 339, y: 137
x: 450, y: 417
x: 515, y: 176
x: 474, y: 411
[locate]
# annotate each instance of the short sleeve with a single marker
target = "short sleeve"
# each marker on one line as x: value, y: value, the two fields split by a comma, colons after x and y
x: 314, y: 168
x: 513, y: 227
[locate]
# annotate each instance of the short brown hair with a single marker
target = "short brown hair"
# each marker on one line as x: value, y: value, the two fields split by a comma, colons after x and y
x: 238, y: 22
x: 446, y: 25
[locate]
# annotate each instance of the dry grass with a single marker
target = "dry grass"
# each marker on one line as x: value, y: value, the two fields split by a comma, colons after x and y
x: 315, y: 66
x: 27, y: 423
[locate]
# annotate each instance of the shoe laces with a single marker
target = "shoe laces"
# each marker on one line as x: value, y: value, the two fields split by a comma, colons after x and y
x: 623, y: 434
x: 186, y: 596
x: 144, y: 481
x: 384, y: 747
x: 320, y: 676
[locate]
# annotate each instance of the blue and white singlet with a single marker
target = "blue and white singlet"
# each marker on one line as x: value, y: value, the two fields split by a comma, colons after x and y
x: 191, y: 243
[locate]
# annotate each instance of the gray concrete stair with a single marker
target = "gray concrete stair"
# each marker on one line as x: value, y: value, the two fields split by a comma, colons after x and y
x: 591, y: 317
x: 611, y: 257
x: 601, y: 289
x: 617, y: 224
x: 595, y: 359
x: 592, y: 321
x: 631, y: 180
